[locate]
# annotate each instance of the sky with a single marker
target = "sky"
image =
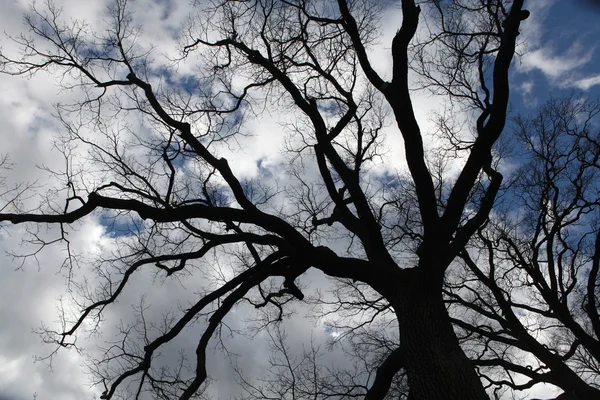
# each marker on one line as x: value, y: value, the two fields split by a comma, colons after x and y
x: 559, y: 56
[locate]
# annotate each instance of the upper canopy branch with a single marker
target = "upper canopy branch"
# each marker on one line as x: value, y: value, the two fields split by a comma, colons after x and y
x: 352, y: 29
x: 490, y: 130
x: 398, y: 94
x: 371, y: 237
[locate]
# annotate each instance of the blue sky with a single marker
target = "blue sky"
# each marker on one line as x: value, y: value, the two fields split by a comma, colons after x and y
x: 560, y: 56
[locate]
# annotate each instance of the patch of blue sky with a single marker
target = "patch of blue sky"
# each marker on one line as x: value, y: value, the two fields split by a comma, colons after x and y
x: 104, y: 47
x: 237, y: 116
x: 194, y: 85
x: 176, y: 80
x: 179, y: 163
x: 219, y: 195
x: 387, y: 179
x: 329, y: 106
x: 562, y: 59
x: 330, y: 331
x: 176, y: 156
x: 264, y: 170
x: 120, y: 225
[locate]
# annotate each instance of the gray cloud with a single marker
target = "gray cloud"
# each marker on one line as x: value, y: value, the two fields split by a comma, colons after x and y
x: 29, y: 295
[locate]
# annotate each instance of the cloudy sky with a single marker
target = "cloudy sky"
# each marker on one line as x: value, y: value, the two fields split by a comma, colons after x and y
x: 560, y: 55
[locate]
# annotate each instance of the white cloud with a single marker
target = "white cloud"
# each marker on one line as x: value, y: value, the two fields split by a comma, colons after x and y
x: 555, y: 66
x: 534, y: 27
x: 563, y: 69
x: 527, y: 87
x: 587, y: 83
x: 29, y: 296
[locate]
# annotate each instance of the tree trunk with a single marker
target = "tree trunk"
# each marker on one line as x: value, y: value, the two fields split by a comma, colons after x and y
x: 436, y: 366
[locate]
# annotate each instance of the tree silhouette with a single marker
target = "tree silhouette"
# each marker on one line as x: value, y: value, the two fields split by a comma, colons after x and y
x: 162, y: 181
x: 532, y: 306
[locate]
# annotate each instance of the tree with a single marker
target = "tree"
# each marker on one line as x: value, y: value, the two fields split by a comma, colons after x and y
x: 180, y: 202
x: 529, y: 283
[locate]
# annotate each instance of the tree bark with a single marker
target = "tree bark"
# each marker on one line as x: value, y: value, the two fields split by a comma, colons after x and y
x: 436, y: 366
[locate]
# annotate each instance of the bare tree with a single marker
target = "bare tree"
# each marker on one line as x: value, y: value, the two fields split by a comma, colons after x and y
x: 306, y: 376
x: 530, y: 282
x: 182, y: 206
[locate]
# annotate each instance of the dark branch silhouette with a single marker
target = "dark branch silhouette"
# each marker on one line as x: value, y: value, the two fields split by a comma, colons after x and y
x: 186, y: 207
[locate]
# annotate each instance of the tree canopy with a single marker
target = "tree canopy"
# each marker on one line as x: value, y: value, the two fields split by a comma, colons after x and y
x: 446, y: 279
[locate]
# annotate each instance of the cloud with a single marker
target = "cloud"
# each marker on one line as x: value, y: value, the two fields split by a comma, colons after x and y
x: 29, y: 296
x: 527, y: 87
x: 564, y: 58
x: 533, y: 28
x: 555, y: 66
x: 562, y: 70
x: 587, y: 83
